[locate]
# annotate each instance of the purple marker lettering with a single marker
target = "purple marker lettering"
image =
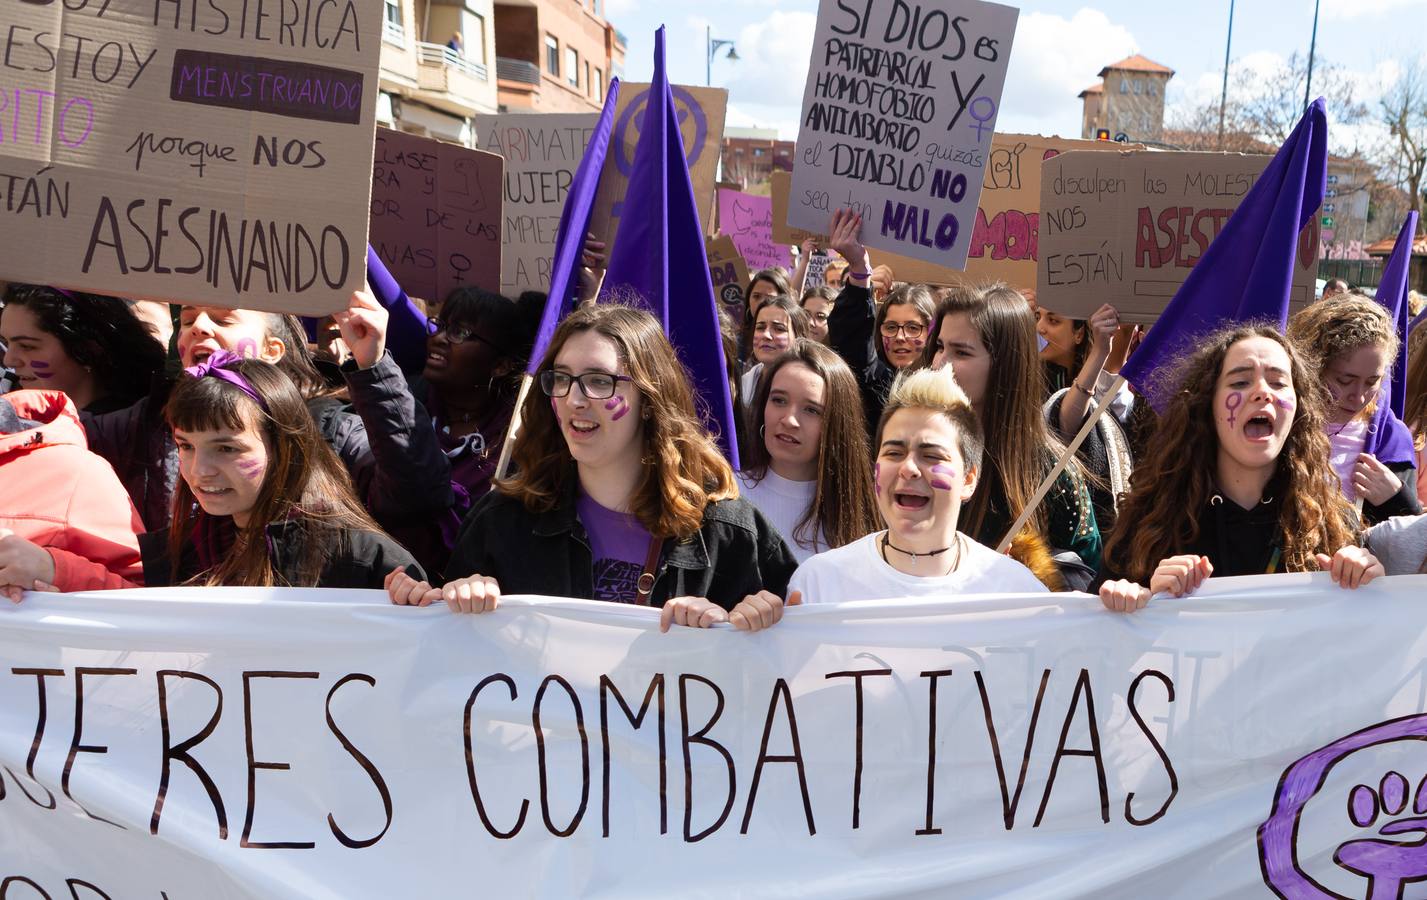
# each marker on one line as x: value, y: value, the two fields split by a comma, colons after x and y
x: 1232, y: 403
x: 619, y: 408
x: 947, y: 481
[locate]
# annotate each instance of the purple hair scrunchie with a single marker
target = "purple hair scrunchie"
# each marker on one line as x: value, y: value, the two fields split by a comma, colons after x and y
x: 221, y: 365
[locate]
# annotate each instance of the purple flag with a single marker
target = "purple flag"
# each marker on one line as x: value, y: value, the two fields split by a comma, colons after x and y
x: 659, y: 262
x: 574, y: 223
x: 1247, y: 272
x: 1388, y: 438
x: 406, y: 326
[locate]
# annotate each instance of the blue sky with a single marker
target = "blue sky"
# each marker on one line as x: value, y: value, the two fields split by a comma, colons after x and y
x: 1059, y: 49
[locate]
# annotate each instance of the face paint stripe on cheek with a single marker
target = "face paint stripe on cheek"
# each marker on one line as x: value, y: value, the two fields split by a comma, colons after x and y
x: 618, y: 407
x: 1284, y: 403
x: 251, y: 468
x: 943, y: 478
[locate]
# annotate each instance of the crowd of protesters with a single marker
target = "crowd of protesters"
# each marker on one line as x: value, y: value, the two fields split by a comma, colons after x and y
x: 892, y: 435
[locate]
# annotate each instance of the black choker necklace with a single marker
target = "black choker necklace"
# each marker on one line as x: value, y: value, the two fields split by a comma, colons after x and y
x: 955, y: 564
x: 887, y: 543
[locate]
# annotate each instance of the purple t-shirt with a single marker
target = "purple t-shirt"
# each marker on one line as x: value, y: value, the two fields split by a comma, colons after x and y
x: 619, y: 545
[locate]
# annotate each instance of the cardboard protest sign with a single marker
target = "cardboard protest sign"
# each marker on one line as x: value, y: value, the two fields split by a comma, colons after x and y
x: 541, y: 152
x: 729, y: 273
x: 189, y: 151
x: 815, y: 275
x: 436, y: 214
x: 748, y: 219
x: 898, y: 114
x: 1126, y: 229
x: 701, y: 111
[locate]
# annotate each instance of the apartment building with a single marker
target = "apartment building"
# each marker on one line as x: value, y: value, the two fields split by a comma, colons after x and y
x: 751, y: 155
x: 1129, y: 100
x: 437, y: 66
x: 555, y: 55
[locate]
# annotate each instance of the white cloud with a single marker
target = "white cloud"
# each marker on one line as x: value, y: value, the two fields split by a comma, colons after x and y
x: 1355, y: 9
x: 1052, y: 60
x: 773, y: 57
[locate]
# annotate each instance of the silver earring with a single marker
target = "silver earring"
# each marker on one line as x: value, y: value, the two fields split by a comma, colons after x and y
x: 760, y: 432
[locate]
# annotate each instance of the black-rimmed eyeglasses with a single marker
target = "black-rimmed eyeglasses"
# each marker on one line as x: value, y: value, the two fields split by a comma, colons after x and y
x: 456, y: 333
x: 594, y: 385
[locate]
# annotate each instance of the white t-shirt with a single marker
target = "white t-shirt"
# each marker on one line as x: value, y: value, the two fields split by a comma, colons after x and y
x: 784, y: 503
x: 858, y: 572
x: 749, y: 386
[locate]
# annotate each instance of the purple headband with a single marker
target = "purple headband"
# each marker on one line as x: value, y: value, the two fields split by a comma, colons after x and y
x: 221, y: 365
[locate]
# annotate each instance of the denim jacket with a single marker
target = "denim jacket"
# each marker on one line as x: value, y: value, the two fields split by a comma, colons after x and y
x: 736, y: 552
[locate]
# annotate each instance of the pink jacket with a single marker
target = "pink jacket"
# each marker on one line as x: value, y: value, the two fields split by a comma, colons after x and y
x: 56, y: 493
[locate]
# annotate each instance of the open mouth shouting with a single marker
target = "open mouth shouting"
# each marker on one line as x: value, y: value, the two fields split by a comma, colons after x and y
x: 910, y: 500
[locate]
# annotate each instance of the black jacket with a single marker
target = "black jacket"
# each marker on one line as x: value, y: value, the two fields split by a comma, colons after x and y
x: 358, y: 559
x: 1402, y: 503
x: 736, y: 552
x: 384, y: 438
x: 850, y: 333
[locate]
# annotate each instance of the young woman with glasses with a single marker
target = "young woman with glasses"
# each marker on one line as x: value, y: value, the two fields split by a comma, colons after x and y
x: 619, y: 494
x: 877, y: 342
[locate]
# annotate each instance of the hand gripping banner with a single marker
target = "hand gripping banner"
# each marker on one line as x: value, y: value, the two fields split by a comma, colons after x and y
x: 1267, y: 737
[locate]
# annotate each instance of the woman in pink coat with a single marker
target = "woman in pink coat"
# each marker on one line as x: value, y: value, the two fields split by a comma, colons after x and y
x: 65, y: 521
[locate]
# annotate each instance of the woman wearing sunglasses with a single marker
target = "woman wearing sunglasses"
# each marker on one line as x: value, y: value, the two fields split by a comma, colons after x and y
x: 475, y: 351
x: 619, y: 494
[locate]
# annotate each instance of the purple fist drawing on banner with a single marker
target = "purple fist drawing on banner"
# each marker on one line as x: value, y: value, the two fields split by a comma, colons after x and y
x: 1388, y: 865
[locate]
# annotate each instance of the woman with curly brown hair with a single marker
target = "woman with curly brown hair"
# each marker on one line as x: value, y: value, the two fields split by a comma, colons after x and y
x: 1235, y: 480
x: 619, y: 493
x: 1353, y: 342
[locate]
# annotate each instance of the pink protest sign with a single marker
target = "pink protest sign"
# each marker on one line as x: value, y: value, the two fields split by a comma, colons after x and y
x: 748, y: 219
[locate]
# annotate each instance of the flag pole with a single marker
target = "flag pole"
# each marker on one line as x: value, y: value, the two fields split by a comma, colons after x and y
x: 1060, y: 464
x: 512, y: 430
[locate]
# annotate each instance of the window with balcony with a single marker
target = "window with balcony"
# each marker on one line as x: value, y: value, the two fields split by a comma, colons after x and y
x: 392, y: 29
x: 599, y: 86
x: 552, y: 55
x: 476, y: 37
x: 572, y: 67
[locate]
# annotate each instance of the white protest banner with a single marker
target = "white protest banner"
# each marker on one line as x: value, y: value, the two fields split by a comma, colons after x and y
x: 1126, y: 228
x: 1257, y: 737
x: 898, y: 114
x: 436, y: 214
x: 189, y: 151
x: 542, y: 152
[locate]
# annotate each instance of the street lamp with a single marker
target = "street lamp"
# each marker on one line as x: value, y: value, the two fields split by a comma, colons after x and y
x: 713, y: 47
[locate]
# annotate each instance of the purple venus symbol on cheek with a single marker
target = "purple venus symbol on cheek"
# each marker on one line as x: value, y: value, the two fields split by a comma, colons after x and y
x: 1231, y: 404
x: 617, y: 407
x: 943, y: 478
x: 247, y: 348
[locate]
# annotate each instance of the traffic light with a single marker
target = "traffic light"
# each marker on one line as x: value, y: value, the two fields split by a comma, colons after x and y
x: 1102, y: 134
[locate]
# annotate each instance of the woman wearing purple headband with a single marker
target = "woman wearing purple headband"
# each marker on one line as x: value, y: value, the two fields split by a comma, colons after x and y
x: 262, y: 499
